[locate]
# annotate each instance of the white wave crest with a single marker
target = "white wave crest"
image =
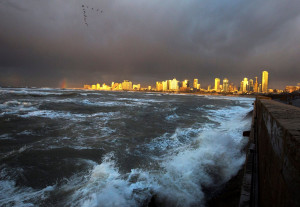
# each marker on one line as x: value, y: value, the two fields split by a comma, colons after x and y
x: 208, y: 159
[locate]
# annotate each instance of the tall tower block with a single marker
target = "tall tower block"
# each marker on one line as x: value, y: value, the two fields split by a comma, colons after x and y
x: 225, y: 85
x: 256, y: 85
x: 264, y: 81
x: 217, y: 84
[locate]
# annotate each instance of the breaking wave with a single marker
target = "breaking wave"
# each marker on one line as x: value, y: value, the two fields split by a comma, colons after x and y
x: 82, y: 148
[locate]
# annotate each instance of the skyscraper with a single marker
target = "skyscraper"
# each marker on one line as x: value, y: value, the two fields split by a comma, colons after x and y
x: 251, y: 86
x: 195, y: 83
x: 225, y: 85
x: 264, y: 82
x: 217, y: 84
x: 165, y: 85
x: 245, y: 85
x: 241, y: 86
x: 255, y: 85
x: 174, y: 84
x: 185, y: 84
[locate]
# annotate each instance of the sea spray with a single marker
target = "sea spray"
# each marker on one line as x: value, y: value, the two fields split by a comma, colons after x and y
x: 88, y: 148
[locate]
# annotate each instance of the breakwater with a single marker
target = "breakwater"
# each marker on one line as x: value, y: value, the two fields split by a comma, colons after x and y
x: 272, y: 170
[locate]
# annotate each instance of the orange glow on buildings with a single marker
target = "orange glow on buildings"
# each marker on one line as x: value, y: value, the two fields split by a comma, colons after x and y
x: 246, y: 86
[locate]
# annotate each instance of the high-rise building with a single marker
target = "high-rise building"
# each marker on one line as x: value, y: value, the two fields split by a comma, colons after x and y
x: 136, y: 86
x: 241, y: 86
x: 251, y: 86
x: 245, y: 85
x: 260, y: 88
x: 174, y: 84
x: 116, y: 86
x: 159, y: 86
x: 198, y: 86
x: 255, y: 89
x: 225, y: 85
x: 217, y: 84
x: 185, y: 83
x: 231, y: 87
x: 127, y: 85
x: 264, y: 81
x: 169, y: 84
x: 195, y: 83
x: 209, y: 87
x: 165, y: 85
x: 98, y: 86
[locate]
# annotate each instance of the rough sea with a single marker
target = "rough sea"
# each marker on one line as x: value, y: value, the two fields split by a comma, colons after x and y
x: 90, y: 148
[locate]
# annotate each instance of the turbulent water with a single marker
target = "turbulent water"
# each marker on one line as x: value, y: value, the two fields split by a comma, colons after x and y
x: 88, y: 148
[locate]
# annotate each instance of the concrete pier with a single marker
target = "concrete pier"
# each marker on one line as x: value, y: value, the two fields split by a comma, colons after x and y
x: 272, y: 174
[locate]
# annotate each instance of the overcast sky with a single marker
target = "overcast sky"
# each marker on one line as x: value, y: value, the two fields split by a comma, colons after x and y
x: 43, y: 42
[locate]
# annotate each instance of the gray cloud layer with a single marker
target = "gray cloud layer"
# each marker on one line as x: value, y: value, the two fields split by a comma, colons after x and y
x: 44, y: 41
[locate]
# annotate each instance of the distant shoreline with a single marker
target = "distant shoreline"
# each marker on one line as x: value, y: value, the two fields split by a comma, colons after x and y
x: 160, y: 92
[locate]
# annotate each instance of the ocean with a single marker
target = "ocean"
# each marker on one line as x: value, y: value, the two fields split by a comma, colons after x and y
x: 95, y: 148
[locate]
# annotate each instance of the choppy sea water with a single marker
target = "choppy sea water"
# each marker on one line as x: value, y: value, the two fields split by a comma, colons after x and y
x: 88, y: 148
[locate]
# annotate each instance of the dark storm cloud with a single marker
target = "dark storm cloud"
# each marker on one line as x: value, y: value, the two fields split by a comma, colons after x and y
x: 43, y: 42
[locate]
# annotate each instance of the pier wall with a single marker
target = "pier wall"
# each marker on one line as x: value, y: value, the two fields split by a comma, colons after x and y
x: 277, y: 130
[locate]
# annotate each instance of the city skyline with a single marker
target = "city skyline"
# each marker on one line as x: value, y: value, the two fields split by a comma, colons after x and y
x: 246, y: 86
x: 45, y: 43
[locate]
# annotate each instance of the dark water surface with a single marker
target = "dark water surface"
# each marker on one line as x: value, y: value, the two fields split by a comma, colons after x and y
x: 89, y: 148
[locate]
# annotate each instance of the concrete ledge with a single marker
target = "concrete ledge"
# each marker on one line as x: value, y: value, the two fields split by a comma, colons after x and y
x: 278, y: 138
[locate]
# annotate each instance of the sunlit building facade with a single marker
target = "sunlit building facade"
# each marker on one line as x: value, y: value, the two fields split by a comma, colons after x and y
x: 165, y: 85
x: 159, y: 86
x: 245, y: 85
x: 264, y: 81
x: 255, y: 89
x: 225, y: 85
x: 98, y: 86
x: 195, y: 83
x: 174, y: 84
x: 136, y: 87
x: 231, y: 87
x: 217, y: 84
x: 241, y: 86
x: 251, y: 85
x: 185, y: 84
x: 291, y: 89
x: 127, y: 85
x: 86, y: 87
